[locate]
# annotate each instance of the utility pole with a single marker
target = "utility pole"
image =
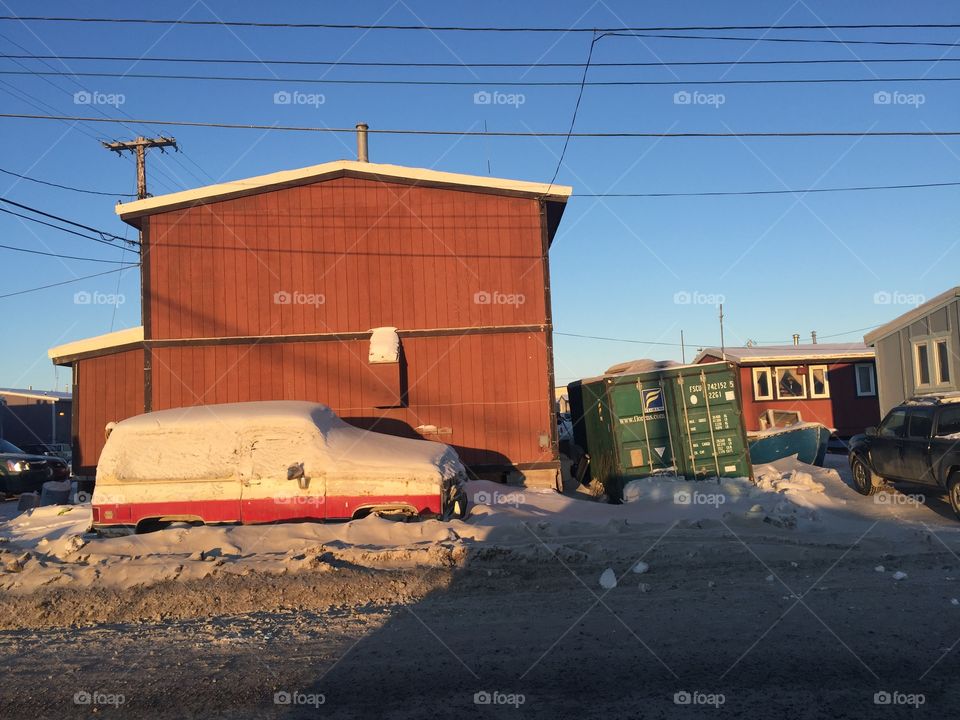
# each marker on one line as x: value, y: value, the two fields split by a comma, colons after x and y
x: 723, y: 349
x: 683, y: 349
x: 139, y: 148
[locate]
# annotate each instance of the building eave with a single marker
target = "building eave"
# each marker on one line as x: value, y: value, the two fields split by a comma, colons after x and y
x: 132, y: 212
x: 117, y: 341
x: 908, y: 318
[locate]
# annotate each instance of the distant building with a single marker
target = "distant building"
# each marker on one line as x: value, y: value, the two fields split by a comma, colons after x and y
x: 32, y: 417
x: 271, y: 288
x: 830, y: 383
x: 917, y: 352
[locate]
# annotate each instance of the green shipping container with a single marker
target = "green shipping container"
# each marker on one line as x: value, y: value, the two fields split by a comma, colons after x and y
x: 684, y: 419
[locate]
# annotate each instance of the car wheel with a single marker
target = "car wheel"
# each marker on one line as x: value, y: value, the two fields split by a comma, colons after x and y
x: 863, y: 477
x: 953, y: 492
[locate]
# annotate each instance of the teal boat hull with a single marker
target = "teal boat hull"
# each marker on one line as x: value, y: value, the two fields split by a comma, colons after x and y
x: 808, y: 441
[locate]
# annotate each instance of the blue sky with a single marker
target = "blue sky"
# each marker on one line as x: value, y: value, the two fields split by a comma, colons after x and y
x: 782, y: 263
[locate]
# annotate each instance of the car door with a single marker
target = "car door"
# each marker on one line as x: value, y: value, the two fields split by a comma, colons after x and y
x: 278, y: 480
x: 886, y: 448
x: 915, y: 450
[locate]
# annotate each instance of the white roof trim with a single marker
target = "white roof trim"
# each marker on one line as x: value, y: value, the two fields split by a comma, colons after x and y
x: 910, y: 317
x: 288, y: 178
x: 100, y: 342
x: 35, y: 395
x: 801, y: 355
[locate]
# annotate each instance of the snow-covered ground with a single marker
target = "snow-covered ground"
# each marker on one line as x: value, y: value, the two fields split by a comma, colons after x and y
x: 51, y: 546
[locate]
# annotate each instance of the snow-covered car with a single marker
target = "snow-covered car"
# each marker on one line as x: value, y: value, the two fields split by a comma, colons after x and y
x: 262, y: 462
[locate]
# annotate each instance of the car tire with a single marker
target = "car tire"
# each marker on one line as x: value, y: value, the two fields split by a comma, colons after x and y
x: 864, y: 479
x: 953, y: 493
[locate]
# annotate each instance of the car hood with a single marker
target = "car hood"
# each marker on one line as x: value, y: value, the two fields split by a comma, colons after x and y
x: 31, y: 458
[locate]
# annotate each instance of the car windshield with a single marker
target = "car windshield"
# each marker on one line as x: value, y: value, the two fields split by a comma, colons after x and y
x: 6, y: 447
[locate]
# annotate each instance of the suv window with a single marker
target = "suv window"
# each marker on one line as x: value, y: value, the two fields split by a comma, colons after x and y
x: 921, y: 423
x: 949, y: 422
x: 894, y: 425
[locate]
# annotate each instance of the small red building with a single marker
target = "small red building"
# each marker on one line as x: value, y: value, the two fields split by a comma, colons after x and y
x: 271, y: 288
x: 834, y: 384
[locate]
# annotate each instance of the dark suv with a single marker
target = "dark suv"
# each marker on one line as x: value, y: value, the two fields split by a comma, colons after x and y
x: 917, y: 442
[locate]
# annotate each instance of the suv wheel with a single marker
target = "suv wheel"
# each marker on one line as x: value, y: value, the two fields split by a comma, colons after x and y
x: 953, y: 492
x: 863, y: 477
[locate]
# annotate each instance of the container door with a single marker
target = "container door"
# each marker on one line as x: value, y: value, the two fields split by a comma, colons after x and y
x: 709, y: 422
x: 276, y: 485
x: 640, y: 425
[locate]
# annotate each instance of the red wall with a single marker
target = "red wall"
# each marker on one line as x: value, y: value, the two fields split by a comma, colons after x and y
x: 381, y: 254
x: 843, y: 410
x: 106, y: 389
x: 489, y: 390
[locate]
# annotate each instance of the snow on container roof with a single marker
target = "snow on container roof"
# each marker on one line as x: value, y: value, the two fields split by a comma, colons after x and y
x: 131, y: 212
x: 912, y: 316
x: 779, y: 353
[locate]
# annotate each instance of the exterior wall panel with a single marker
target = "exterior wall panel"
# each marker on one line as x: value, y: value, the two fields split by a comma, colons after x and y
x: 478, y: 387
x: 109, y: 389
x: 376, y: 253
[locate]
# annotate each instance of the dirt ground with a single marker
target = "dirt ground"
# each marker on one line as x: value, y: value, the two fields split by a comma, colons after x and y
x: 757, y: 624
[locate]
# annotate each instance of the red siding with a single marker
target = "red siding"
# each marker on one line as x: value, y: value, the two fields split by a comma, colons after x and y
x: 380, y: 254
x: 843, y: 410
x: 109, y: 388
x: 489, y: 390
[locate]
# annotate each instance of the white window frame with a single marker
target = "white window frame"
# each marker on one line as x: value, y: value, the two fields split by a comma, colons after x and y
x: 826, y: 382
x: 802, y: 376
x: 770, y: 381
x: 872, y: 391
x: 936, y: 361
x: 930, y: 342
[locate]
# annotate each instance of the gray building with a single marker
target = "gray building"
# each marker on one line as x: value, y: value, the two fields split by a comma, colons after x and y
x: 917, y: 353
x: 33, y: 417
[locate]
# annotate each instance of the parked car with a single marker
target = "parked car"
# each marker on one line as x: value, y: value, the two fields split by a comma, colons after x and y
x: 22, y: 472
x: 264, y: 462
x: 64, y: 451
x: 917, y: 442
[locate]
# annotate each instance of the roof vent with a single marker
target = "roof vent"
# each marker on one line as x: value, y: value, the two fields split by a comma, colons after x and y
x: 362, y: 142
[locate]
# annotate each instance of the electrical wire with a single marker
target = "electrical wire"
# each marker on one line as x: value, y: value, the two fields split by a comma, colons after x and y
x: 64, y: 187
x: 475, y: 83
x: 67, y: 282
x: 102, y: 233
x: 806, y: 191
x: 462, y: 65
x: 467, y: 28
x: 66, y: 257
x: 503, y: 133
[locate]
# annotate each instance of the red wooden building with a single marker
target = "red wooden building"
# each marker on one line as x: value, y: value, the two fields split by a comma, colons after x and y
x: 269, y: 288
x: 834, y: 384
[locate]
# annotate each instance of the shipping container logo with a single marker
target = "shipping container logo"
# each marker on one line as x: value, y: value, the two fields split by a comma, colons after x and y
x: 652, y: 400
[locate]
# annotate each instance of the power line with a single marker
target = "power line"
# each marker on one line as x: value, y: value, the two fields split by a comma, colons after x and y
x: 57, y: 227
x: 64, y: 187
x: 501, y: 133
x: 837, y: 41
x: 475, y: 83
x: 805, y: 191
x: 467, y: 28
x: 576, y: 109
x: 66, y: 257
x: 461, y: 65
x: 102, y: 233
x: 66, y: 282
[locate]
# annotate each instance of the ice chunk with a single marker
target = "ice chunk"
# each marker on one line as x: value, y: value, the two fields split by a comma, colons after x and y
x: 608, y: 579
x: 641, y: 567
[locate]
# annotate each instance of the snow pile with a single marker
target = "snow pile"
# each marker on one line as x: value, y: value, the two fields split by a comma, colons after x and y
x: 769, y: 477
